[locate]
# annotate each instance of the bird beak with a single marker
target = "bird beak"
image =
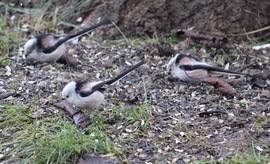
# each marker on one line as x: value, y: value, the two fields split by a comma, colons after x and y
x: 62, y: 97
x: 23, y: 53
x: 169, y: 72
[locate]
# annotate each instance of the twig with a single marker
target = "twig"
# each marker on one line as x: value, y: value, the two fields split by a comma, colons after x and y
x: 244, y: 34
x: 7, y: 94
x: 212, y: 112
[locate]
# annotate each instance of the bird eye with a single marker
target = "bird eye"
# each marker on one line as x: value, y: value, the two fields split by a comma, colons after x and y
x: 64, y: 96
x: 26, y: 53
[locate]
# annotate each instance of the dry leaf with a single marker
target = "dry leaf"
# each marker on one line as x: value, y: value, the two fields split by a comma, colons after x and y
x: 221, y: 85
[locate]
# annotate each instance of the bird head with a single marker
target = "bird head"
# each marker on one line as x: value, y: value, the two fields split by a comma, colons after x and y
x: 171, y: 66
x: 68, y: 90
x: 30, y: 46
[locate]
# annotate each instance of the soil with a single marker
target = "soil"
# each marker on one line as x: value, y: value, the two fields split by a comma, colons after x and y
x: 145, y: 17
x: 178, y: 130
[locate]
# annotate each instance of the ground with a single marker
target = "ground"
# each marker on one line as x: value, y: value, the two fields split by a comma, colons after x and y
x: 170, y: 127
x: 147, y: 117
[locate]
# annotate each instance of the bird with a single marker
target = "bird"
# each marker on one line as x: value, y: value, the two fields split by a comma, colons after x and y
x: 88, y: 95
x: 190, y: 69
x: 52, y: 48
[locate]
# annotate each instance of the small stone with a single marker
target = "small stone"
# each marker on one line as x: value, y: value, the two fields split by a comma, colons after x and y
x: 46, y: 67
x: 79, y: 20
x: 108, y: 64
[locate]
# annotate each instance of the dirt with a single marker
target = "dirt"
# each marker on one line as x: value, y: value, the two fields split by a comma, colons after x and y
x: 143, y: 18
x: 178, y: 131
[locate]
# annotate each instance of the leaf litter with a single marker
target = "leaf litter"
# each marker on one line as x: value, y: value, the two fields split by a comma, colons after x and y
x: 175, y: 130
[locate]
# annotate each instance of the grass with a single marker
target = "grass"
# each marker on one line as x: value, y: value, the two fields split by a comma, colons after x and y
x: 239, y: 158
x: 126, y: 40
x: 174, y: 39
x: 50, y: 140
x: 247, y: 158
x: 49, y: 18
x: 10, y: 37
x: 56, y: 140
x: 141, y: 115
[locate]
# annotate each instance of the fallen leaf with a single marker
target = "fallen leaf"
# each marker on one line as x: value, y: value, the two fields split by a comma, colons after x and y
x: 221, y: 85
x: 7, y: 94
x: 79, y: 118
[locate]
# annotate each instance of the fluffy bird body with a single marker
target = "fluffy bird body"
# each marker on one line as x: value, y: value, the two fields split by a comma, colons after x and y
x: 89, y: 95
x: 190, y: 69
x: 50, y: 47
x: 72, y: 93
x: 33, y: 49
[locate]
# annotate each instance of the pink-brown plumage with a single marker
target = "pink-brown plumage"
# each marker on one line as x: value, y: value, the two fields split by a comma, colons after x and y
x: 190, y: 69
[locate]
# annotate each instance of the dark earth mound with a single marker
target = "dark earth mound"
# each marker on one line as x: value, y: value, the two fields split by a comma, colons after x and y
x: 145, y: 17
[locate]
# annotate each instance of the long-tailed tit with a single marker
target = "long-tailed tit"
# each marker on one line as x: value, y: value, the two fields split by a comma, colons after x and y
x: 50, y: 47
x: 89, y: 95
x: 190, y: 69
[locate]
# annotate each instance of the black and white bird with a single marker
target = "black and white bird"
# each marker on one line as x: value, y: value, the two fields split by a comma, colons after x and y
x: 51, y: 48
x: 190, y: 69
x: 88, y: 95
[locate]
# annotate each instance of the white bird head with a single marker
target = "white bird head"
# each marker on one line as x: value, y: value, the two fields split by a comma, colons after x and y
x: 69, y: 90
x: 30, y: 46
x: 171, y: 66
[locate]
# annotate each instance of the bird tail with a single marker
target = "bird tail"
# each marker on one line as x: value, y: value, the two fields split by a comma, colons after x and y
x: 71, y: 36
x: 123, y: 74
x: 89, y: 29
x: 213, y: 70
x: 230, y: 73
x: 100, y: 86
